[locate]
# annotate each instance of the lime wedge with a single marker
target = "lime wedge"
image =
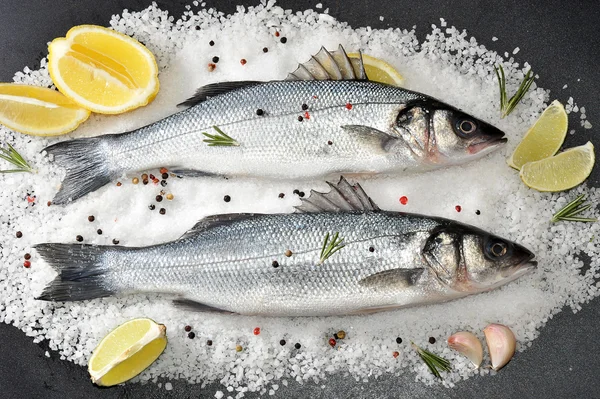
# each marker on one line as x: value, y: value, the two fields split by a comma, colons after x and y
x: 560, y: 172
x: 544, y: 138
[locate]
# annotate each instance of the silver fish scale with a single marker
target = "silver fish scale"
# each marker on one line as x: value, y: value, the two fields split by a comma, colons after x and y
x: 275, y: 144
x: 230, y: 266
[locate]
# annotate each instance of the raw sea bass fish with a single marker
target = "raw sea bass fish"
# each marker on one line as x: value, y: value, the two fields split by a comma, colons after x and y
x: 326, y: 119
x: 338, y: 255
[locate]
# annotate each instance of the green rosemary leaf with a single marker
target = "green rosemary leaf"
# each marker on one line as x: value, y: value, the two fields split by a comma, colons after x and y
x: 331, y: 247
x: 434, y: 362
x: 573, y: 208
x: 219, y: 139
x: 507, y: 106
x: 13, y: 157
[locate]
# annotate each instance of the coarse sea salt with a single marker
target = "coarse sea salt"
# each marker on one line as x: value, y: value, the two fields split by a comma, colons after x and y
x: 447, y: 65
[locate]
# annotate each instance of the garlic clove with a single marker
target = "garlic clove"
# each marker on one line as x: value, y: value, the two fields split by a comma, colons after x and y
x: 467, y: 344
x: 501, y: 344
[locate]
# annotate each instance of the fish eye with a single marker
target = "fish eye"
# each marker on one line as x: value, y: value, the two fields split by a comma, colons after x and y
x: 497, y: 249
x: 466, y: 126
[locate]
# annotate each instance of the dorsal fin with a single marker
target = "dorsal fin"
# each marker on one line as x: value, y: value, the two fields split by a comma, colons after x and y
x: 215, y: 220
x: 327, y: 65
x: 214, y: 89
x: 343, y: 197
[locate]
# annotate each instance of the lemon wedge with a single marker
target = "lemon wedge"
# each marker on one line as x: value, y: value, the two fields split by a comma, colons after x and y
x: 103, y: 70
x: 38, y: 111
x: 560, y: 172
x: 544, y: 138
x: 380, y: 71
x: 127, y: 351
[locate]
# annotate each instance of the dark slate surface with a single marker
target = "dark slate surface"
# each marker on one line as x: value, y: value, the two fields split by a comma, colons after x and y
x: 560, y: 39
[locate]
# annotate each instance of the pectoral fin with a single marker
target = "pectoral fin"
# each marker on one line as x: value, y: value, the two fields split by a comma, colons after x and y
x: 189, y: 304
x: 392, y: 279
x: 375, y: 139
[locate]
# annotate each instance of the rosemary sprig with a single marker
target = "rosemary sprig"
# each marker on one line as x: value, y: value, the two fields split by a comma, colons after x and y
x: 331, y: 247
x: 570, y: 211
x: 433, y: 361
x: 12, y: 156
x: 220, y: 139
x: 507, y: 106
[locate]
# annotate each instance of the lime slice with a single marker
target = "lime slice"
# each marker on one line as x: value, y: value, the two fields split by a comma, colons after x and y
x: 380, y: 71
x: 544, y: 138
x: 127, y: 351
x: 560, y: 172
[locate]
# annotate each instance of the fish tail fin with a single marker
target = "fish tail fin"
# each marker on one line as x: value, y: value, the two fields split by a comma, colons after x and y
x: 86, y: 164
x: 81, y: 272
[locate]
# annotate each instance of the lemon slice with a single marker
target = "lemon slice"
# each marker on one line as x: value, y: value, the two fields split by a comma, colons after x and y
x: 103, y: 70
x: 560, y: 172
x: 38, y: 111
x: 380, y: 71
x: 544, y: 138
x: 126, y: 351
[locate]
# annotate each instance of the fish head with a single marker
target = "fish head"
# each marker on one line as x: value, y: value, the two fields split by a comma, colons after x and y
x: 442, y: 135
x: 468, y: 259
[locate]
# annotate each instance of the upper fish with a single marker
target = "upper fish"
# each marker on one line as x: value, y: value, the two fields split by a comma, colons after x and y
x: 326, y: 119
x: 338, y: 255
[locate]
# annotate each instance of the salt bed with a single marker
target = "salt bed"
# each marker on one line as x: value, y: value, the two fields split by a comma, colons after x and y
x: 447, y: 65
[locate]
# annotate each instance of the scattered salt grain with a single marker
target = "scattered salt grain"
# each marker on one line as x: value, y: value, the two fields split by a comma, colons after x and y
x: 516, y: 50
x: 168, y: 386
x: 319, y: 6
x: 494, y: 39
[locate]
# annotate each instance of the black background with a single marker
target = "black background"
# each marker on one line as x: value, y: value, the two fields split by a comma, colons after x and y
x: 560, y: 40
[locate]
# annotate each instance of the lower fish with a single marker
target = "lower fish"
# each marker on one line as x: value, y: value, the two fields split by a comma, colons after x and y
x: 327, y: 119
x: 339, y: 254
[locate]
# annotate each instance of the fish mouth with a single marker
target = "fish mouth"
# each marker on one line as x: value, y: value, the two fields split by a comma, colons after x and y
x: 525, y: 266
x: 489, y: 145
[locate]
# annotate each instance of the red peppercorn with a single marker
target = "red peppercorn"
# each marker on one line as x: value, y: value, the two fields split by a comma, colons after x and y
x: 332, y: 342
x: 163, y: 170
x: 404, y: 200
x: 27, y: 264
x: 152, y: 177
x: 27, y: 256
x: 395, y: 354
x: 211, y: 67
x: 306, y: 115
x: 119, y: 184
x: 276, y: 34
x: 458, y: 208
x: 243, y: 61
x: 256, y: 331
x: 348, y: 106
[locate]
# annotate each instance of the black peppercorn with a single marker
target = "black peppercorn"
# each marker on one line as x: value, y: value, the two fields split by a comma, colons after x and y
x: 211, y: 43
x: 162, y: 211
x: 304, y: 107
x: 398, y: 340
x: 300, y: 119
x: 187, y: 328
x: 163, y: 183
x: 227, y: 198
x: 275, y: 263
x: 297, y: 346
x: 115, y: 241
x: 27, y: 256
x: 215, y: 59
x: 19, y: 234
x: 283, y: 40
x: 478, y: 212
x: 79, y: 238
x: 209, y: 342
x: 91, y: 218
x: 165, y: 176
x: 260, y: 112
x: 371, y: 249
x: 265, y: 50
x: 281, y: 195
x: 282, y: 342
x: 152, y: 207
x: 159, y: 198
x: 99, y: 231
x: 431, y: 340
x: 191, y: 335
